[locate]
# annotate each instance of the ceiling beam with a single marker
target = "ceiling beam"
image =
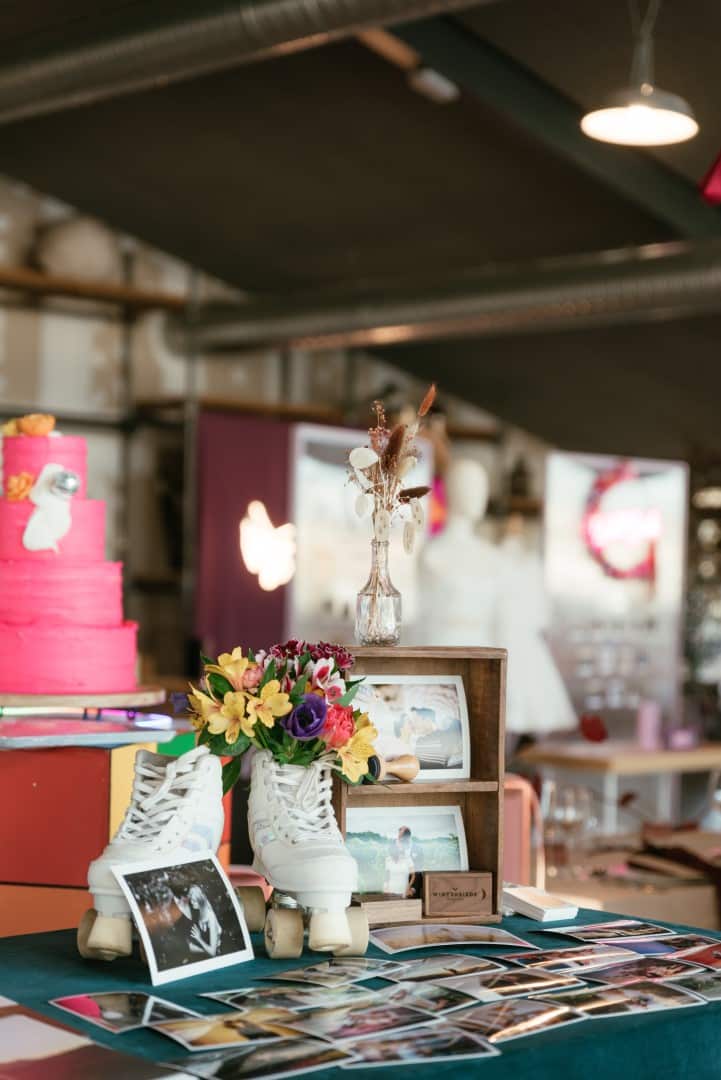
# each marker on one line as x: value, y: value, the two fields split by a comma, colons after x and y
x: 514, y: 91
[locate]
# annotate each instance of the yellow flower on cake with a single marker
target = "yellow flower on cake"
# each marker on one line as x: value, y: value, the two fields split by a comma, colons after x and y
x: 204, y: 708
x: 36, y: 424
x: 270, y: 704
x: 19, y: 486
x: 354, y: 755
x: 10, y: 427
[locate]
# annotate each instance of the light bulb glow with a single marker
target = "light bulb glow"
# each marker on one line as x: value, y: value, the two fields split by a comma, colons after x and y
x: 267, y: 551
x: 637, y: 124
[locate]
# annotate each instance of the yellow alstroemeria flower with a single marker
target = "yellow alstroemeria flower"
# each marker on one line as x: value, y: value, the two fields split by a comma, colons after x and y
x: 233, y: 711
x: 354, y: 755
x: 204, y: 709
x: 232, y: 666
x: 270, y: 704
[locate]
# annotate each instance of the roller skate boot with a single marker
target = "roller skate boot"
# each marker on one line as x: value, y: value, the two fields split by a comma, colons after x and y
x: 299, y: 850
x: 175, y: 809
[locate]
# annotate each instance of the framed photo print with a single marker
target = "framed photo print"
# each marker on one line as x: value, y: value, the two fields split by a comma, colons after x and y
x: 394, y: 844
x: 187, y: 915
x: 423, y: 715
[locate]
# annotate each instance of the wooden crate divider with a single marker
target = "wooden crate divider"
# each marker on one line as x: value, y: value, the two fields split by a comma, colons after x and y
x: 481, y: 796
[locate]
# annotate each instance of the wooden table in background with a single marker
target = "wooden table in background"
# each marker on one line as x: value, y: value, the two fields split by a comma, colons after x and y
x: 612, y: 760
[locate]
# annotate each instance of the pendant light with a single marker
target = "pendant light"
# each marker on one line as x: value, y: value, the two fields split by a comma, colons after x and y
x: 642, y: 114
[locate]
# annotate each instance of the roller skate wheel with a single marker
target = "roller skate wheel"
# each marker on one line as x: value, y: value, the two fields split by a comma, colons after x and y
x: 253, y: 903
x: 328, y: 931
x: 284, y: 933
x: 359, y: 931
x: 103, y: 938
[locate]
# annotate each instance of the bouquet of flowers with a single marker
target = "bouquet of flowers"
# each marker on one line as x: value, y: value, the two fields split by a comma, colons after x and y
x: 295, y: 700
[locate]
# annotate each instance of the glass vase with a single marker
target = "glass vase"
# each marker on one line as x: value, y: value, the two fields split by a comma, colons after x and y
x: 378, y: 607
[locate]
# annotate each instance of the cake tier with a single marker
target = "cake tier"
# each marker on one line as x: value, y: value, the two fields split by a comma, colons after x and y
x: 87, y: 594
x: 29, y: 453
x: 63, y: 659
x: 85, y: 542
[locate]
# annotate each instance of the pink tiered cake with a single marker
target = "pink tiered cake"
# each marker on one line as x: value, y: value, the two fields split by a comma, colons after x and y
x: 61, y: 613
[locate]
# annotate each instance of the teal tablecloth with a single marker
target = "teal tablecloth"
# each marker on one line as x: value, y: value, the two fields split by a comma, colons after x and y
x: 683, y: 1044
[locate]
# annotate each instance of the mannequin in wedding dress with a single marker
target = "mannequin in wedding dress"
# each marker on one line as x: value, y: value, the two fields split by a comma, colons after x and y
x: 474, y: 593
x: 461, y: 574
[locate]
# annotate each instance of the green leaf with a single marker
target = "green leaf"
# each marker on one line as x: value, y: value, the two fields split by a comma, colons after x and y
x: 206, y: 659
x: 251, y: 656
x: 349, y: 694
x: 268, y: 675
x: 204, y: 737
x: 296, y: 694
x: 231, y: 772
x: 219, y: 685
x: 240, y: 745
x: 303, y: 660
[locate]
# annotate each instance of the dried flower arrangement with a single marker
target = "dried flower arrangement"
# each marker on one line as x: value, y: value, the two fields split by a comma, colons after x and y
x: 379, y: 469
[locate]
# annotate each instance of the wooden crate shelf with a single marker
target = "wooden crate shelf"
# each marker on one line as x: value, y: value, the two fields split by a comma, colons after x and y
x: 480, y: 797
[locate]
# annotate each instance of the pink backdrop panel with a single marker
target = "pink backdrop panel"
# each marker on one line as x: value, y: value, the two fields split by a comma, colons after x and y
x: 240, y: 458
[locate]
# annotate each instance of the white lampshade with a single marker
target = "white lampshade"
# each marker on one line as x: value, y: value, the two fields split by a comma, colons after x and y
x: 643, y: 117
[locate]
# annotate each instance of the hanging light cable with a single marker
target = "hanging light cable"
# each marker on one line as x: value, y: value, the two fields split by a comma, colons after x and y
x: 642, y: 114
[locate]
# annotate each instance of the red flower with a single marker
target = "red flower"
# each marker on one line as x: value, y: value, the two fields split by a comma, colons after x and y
x: 338, y: 727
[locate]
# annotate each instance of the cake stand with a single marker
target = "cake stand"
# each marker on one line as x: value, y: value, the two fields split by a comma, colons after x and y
x: 139, y: 698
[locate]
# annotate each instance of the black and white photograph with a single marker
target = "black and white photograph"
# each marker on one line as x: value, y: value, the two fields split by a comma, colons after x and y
x: 120, y: 1010
x: 395, y: 939
x: 430, y: 1043
x: 293, y: 997
x: 187, y: 914
x: 615, y: 1000
x: 508, y: 984
x: 499, y: 1021
x: 267, y: 1061
x: 422, y: 715
x: 443, y: 966
x: 393, y: 845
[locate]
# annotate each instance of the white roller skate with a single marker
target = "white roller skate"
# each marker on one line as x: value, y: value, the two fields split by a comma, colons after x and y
x: 176, y: 808
x: 300, y: 851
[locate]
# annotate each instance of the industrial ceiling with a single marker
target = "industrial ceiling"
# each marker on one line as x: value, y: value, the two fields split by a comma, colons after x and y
x: 323, y: 168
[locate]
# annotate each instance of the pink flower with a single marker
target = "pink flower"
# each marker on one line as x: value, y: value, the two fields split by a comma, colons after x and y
x: 338, y: 727
x: 252, y: 676
x: 334, y: 691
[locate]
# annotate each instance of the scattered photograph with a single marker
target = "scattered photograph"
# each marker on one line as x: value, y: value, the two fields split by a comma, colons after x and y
x: 359, y: 1021
x: 707, y: 984
x: 507, y: 984
x: 609, y: 931
x: 423, y: 715
x: 643, y: 969
x: 293, y: 997
x: 426, y: 996
x: 267, y: 1061
x: 338, y: 972
x: 187, y: 914
x: 577, y: 959
x: 394, y: 844
x: 501, y: 1020
x: 395, y: 939
x: 675, y: 945
x: 614, y: 1000
x: 709, y: 956
x: 431, y: 1043
x: 443, y: 966
x: 229, y: 1029
x: 121, y: 1010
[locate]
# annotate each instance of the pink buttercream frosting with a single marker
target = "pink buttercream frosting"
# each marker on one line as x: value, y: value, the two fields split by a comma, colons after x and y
x: 64, y: 659
x: 29, y: 453
x: 85, y: 542
x: 89, y: 594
